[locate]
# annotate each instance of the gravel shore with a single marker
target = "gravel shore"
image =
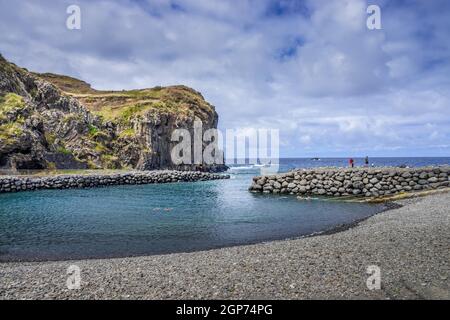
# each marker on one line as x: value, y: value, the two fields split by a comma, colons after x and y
x: 410, y: 245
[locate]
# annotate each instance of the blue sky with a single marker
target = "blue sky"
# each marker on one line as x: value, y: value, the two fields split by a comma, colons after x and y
x: 309, y: 68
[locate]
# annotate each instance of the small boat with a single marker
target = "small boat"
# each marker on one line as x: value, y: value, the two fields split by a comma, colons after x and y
x: 241, y: 168
x: 262, y: 165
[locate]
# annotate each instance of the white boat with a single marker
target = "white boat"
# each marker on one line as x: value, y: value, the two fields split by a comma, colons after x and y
x: 242, y: 168
x: 261, y: 165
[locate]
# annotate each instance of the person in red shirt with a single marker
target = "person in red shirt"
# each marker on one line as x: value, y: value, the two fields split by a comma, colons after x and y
x: 351, y: 162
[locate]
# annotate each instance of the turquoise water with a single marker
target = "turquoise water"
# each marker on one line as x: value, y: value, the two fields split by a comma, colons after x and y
x: 153, y: 219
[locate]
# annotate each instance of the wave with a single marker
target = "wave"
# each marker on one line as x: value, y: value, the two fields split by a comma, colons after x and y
x: 251, y: 167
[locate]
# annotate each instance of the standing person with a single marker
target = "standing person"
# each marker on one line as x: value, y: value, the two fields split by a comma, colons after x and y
x: 351, y: 162
x: 366, y: 161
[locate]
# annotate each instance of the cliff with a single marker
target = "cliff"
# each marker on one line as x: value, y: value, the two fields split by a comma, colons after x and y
x: 53, y: 121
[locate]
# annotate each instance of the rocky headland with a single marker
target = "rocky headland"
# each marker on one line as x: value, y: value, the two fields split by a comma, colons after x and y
x: 50, y: 121
x: 359, y: 182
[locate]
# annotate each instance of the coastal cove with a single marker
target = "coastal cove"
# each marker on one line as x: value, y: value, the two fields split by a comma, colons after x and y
x: 147, y: 219
x: 220, y: 157
x: 321, y: 267
x: 136, y: 220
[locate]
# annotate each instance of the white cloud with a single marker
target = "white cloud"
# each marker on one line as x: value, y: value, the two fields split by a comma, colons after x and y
x: 311, y: 69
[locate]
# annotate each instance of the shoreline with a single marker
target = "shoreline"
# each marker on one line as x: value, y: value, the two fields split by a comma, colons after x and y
x: 353, y: 224
x: 329, y: 231
x: 409, y: 243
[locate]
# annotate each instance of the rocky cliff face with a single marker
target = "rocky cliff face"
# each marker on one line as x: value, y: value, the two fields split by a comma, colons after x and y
x: 52, y: 121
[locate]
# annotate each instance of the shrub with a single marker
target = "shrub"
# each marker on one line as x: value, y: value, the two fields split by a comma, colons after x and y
x: 63, y: 150
x: 109, y: 161
x: 50, y: 138
x: 127, y: 133
x: 51, y: 165
x: 93, y: 130
x: 9, y: 131
x: 10, y: 102
x: 99, y: 148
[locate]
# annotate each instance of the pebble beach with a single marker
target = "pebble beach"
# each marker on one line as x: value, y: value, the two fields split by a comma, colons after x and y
x: 410, y: 246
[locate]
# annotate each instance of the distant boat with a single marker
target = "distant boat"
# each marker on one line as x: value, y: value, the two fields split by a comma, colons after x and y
x: 262, y: 165
x: 315, y: 159
x: 242, y: 168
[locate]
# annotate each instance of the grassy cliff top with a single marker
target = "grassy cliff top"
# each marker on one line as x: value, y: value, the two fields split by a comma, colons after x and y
x: 122, y: 106
x: 67, y: 84
x: 112, y: 105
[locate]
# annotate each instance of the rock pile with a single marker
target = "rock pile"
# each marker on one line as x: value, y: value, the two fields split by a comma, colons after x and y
x: 368, y: 182
x: 18, y: 183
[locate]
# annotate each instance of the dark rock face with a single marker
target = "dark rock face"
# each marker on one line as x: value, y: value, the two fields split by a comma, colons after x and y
x: 38, y: 121
x: 64, y: 161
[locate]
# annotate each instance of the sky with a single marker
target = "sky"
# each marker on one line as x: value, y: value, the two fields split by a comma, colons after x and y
x: 311, y: 69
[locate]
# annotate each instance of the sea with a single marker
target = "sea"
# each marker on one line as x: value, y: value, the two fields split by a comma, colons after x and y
x: 137, y: 220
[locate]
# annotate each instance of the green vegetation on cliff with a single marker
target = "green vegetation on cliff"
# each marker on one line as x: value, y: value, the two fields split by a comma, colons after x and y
x: 10, y: 103
x: 66, y: 83
x: 45, y: 116
x: 11, y: 128
x: 123, y: 106
x: 127, y: 133
x: 124, y: 109
x: 10, y: 133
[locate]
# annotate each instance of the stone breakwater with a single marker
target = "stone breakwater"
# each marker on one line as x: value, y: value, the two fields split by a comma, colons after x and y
x: 368, y: 182
x: 27, y: 183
